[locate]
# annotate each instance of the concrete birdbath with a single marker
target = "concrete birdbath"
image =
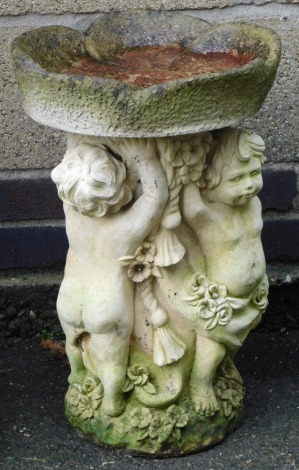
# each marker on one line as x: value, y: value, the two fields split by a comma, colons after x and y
x: 165, y: 273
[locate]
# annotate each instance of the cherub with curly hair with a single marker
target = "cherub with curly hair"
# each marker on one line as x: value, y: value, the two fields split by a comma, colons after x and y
x: 95, y: 303
x: 226, y: 216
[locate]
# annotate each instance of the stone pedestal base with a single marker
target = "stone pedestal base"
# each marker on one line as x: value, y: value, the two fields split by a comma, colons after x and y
x: 164, y: 279
x: 159, y: 419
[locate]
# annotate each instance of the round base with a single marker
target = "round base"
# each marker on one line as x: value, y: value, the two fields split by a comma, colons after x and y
x: 170, y: 432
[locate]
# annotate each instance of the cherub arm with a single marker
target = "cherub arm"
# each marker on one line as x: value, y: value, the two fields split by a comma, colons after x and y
x: 145, y: 213
x: 194, y: 210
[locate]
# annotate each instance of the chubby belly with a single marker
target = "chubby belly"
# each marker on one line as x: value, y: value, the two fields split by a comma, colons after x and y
x: 240, y: 268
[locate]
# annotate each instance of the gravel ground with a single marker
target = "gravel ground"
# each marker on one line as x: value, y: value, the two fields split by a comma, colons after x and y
x: 27, y: 310
x: 36, y: 435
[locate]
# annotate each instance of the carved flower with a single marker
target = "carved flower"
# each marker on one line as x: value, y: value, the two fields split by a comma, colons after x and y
x: 178, y: 415
x: 198, y: 285
x: 144, y: 253
x: 140, y: 418
x: 210, y: 300
x: 216, y: 291
x: 161, y: 427
x: 229, y: 371
x: 89, y: 385
x: 189, y: 158
x: 138, y: 272
x: 137, y: 374
x: 141, y: 265
x: 218, y: 312
x: 231, y: 398
x: 207, y: 308
x: 260, y: 296
x: 86, y: 398
x: 224, y: 314
x: 229, y: 391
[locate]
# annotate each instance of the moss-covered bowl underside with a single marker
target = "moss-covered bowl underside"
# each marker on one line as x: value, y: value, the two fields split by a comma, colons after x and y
x: 54, y: 94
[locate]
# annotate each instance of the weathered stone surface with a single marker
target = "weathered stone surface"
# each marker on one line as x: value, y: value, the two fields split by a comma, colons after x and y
x: 279, y: 189
x: 32, y: 246
x: 280, y: 239
x: 28, y: 197
x: 85, y: 6
x: 46, y: 246
x: 8, y: 7
x: 28, y: 145
x: 33, y: 196
x: 278, y: 119
x: 101, y: 106
x: 24, y: 144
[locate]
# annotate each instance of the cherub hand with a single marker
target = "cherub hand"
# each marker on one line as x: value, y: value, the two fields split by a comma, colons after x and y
x: 136, y: 150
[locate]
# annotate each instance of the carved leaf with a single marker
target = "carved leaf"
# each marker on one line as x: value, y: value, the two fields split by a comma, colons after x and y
x: 150, y: 388
x: 87, y: 414
x: 167, y: 426
x: 84, y: 400
x: 211, y: 324
x: 227, y: 408
x: 177, y: 433
x: 156, y: 272
x: 169, y: 173
x: 128, y: 386
x: 193, y: 301
x: 237, y: 304
x: 126, y: 260
x: 76, y: 412
x: 141, y: 435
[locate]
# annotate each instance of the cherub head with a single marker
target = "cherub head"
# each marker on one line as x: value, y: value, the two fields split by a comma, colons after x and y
x: 91, y: 180
x: 233, y: 172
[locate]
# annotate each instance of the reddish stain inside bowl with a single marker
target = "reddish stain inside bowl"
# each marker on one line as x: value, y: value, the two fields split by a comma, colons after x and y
x: 151, y: 65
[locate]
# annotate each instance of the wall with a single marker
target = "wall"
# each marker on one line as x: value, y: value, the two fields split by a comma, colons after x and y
x: 31, y: 218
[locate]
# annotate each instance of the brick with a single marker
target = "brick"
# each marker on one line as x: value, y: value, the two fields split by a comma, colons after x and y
x: 36, y: 198
x: 32, y: 247
x: 279, y: 189
x: 27, y: 145
x: 29, y: 199
x: 280, y: 240
x: 8, y: 7
x: 46, y: 246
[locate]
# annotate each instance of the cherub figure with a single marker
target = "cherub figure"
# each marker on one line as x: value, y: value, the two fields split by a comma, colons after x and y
x: 230, y: 296
x: 95, y: 302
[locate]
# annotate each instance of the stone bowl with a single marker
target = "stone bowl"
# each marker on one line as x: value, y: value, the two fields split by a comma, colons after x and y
x: 53, y: 95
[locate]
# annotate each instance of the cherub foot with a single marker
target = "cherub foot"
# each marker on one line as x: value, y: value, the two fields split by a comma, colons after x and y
x: 204, y: 400
x: 113, y: 405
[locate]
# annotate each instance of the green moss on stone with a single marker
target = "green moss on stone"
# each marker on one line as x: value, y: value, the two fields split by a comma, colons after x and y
x: 172, y: 429
x: 54, y: 48
x: 107, y: 107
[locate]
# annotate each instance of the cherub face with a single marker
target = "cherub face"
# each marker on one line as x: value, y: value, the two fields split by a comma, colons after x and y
x: 241, y: 181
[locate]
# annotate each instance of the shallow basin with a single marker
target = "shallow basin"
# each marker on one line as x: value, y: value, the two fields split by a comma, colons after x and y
x: 145, y: 73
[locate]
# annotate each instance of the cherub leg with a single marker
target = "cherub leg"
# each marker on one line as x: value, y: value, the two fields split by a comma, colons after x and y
x: 114, y: 380
x: 107, y: 355
x: 208, y: 356
x: 74, y: 353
